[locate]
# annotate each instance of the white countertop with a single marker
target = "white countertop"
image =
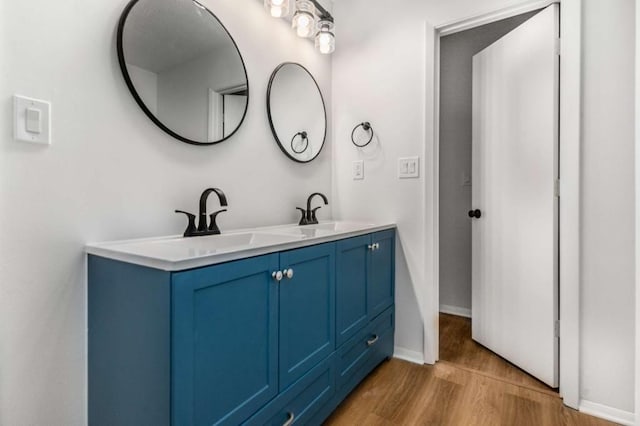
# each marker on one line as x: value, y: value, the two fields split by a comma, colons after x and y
x: 176, y: 253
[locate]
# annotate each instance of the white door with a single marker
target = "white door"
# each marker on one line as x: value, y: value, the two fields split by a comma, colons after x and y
x: 515, y: 166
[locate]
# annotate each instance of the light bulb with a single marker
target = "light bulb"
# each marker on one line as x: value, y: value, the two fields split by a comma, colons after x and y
x: 325, y: 40
x: 303, y: 26
x: 304, y: 18
x: 277, y: 8
x: 277, y: 11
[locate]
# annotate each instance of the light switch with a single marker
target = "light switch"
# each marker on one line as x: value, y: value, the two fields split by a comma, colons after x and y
x: 408, y: 167
x: 32, y: 120
x: 358, y: 170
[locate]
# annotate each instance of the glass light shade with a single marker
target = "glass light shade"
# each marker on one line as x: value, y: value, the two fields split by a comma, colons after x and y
x: 304, y: 18
x: 325, y: 39
x: 277, y: 8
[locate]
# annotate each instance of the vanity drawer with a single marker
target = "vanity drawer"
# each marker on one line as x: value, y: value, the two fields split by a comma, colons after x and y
x: 352, y: 357
x: 375, y: 340
x: 302, y: 400
x: 381, y: 336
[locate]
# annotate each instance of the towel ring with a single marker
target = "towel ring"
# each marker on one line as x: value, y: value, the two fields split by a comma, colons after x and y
x: 366, y: 126
x: 304, y: 137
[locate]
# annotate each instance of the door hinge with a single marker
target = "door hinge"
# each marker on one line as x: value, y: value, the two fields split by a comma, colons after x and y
x: 556, y: 328
x: 556, y: 188
x: 558, y: 46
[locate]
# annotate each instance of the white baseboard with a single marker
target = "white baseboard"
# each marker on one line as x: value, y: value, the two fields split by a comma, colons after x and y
x: 408, y: 355
x: 608, y: 413
x: 455, y: 310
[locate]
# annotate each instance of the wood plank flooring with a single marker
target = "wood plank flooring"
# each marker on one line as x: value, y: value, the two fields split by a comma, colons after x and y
x: 401, y: 393
x: 466, y: 394
x: 457, y: 347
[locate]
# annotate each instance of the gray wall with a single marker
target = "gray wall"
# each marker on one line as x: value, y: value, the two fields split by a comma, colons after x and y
x: 456, y: 52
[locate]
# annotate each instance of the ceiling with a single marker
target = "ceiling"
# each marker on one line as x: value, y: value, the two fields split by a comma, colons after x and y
x: 160, y: 34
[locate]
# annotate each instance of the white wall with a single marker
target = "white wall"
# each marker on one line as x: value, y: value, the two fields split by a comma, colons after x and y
x: 608, y: 204
x: 456, y: 53
x: 112, y: 174
x: 379, y: 75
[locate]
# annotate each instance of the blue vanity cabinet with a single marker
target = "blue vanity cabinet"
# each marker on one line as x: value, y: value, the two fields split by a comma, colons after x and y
x: 225, y: 341
x: 307, y: 310
x: 230, y: 344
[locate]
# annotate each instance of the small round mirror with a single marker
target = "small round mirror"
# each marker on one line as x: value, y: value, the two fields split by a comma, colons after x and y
x: 183, y: 68
x: 296, y: 112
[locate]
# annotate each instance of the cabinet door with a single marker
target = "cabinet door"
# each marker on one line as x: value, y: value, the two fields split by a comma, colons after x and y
x: 381, y: 273
x: 352, y: 258
x: 224, y: 343
x: 307, y: 310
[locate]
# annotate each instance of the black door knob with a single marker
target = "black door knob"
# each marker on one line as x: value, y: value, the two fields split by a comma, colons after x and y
x: 475, y: 213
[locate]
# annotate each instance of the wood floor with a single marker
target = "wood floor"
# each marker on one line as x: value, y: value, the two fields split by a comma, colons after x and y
x: 460, y: 391
x: 457, y: 347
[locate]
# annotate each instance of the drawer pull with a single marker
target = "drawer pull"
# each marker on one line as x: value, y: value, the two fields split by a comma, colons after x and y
x: 290, y: 418
x: 277, y: 275
x: 373, y: 341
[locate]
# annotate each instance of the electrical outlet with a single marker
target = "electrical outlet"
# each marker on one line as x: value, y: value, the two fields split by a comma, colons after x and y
x: 358, y: 170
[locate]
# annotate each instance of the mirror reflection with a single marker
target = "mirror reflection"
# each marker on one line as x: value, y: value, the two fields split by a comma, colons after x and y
x: 296, y: 112
x: 183, y: 68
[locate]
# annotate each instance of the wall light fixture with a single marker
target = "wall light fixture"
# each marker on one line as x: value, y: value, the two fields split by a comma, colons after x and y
x: 309, y: 19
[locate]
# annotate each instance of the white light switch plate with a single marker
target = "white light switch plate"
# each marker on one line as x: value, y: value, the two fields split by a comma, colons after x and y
x: 409, y: 168
x: 358, y: 170
x: 31, y: 120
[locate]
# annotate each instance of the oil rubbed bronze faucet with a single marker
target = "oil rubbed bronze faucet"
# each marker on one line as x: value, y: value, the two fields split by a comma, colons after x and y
x: 203, y: 228
x: 309, y: 215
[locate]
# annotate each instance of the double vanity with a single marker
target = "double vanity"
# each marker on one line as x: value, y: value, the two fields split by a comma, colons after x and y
x: 273, y: 325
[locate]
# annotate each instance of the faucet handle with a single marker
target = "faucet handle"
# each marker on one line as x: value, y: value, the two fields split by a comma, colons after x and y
x: 191, y: 227
x: 313, y: 219
x: 303, y: 219
x: 212, y: 223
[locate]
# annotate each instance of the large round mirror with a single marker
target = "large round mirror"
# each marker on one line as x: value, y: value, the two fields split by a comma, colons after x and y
x: 183, y: 68
x: 296, y: 112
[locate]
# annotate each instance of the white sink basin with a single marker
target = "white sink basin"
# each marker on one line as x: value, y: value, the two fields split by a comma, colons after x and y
x: 181, y: 248
x: 322, y: 229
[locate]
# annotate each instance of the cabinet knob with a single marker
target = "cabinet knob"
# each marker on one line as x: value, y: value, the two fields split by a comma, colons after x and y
x: 290, y: 418
x: 288, y: 273
x: 377, y: 246
x: 373, y: 340
x: 371, y: 247
x: 277, y: 275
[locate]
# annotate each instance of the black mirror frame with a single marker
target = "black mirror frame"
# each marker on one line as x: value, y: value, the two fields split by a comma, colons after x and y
x: 138, y: 99
x: 271, y: 124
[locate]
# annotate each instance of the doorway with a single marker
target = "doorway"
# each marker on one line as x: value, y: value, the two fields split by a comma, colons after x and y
x: 492, y: 311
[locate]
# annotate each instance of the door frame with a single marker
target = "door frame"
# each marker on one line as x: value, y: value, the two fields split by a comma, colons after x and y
x: 570, y: 153
x: 637, y: 179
